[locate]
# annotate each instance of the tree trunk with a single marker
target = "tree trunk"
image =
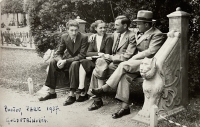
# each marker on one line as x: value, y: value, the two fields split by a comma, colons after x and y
x: 17, y: 20
x: 24, y: 17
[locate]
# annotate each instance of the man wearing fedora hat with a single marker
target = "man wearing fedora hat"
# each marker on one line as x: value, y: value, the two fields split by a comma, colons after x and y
x: 148, y: 41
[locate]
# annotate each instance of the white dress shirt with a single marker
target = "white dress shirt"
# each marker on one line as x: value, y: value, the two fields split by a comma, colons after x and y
x: 99, y: 41
x: 122, y: 35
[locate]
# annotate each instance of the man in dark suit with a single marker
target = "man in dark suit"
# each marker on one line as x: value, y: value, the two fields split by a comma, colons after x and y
x: 148, y: 41
x: 123, y: 48
x: 71, y: 50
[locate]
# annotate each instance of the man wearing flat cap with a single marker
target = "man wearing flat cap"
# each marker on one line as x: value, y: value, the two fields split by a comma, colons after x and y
x: 148, y: 41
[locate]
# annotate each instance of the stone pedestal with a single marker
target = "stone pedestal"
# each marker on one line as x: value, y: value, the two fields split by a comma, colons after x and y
x: 82, y: 24
x: 179, y: 21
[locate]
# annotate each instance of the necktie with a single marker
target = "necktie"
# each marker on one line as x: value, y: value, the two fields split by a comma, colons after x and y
x: 116, y: 44
x: 139, y: 35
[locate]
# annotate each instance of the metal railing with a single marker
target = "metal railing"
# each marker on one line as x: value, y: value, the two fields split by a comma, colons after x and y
x: 17, y: 39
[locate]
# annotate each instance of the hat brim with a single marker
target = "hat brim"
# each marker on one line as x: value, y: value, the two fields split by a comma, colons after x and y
x: 137, y: 20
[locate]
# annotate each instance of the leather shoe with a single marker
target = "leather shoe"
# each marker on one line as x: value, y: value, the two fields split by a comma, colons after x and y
x: 48, y: 96
x: 70, y: 100
x: 80, y: 90
x: 95, y: 105
x: 121, y: 113
x: 82, y: 98
x: 98, y: 91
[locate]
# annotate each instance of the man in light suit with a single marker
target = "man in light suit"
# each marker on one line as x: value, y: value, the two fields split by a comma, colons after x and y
x: 71, y: 50
x: 148, y: 41
x: 123, y: 48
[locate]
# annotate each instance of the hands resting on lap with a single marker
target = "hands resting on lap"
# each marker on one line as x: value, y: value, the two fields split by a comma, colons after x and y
x: 61, y: 64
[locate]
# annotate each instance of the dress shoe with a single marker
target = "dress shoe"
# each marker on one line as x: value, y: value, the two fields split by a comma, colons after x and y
x: 70, y: 100
x: 82, y: 98
x: 98, y: 91
x: 79, y: 91
x: 95, y: 105
x: 48, y: 96
x: 121, y: 113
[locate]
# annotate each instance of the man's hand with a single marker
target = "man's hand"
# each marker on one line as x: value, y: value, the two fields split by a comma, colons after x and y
x: 100, y: 54
x: 106, y: 56
x: 91, y: 38
x: 61, y: 64
x: 89, y: 58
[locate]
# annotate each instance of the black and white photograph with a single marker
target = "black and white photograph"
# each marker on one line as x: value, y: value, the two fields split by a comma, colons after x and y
x: 100, y: 63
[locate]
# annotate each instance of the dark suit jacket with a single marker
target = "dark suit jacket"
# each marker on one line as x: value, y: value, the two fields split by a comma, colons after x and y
x: 70, y: 50
x: 126, y: 47
x: 106, y: 46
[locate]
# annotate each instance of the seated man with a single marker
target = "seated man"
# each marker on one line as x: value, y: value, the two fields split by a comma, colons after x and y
x: 71, y: 50
x: 148, y: 41
x: 123, y: 48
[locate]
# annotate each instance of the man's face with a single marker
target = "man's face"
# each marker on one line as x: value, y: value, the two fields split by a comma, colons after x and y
x: 72, y: 31
x: 120, y: 28
x: 142, y: 27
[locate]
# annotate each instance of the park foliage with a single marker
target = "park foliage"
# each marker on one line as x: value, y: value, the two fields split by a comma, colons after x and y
x: 15, y: 7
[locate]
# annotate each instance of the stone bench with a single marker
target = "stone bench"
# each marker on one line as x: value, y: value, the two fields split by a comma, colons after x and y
x: 168, y: 87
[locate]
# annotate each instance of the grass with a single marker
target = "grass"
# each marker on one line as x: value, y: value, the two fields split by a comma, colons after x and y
x: 189, y: 117
x: 18, y: 65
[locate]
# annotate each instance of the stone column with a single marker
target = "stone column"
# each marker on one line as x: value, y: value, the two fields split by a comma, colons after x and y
x: 179, y: 21
x: 81, y: 24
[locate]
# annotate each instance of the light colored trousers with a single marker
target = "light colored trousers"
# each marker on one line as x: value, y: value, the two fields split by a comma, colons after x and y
x: 118, y: 80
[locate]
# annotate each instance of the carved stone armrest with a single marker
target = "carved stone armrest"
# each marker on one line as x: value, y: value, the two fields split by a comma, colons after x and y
x: 153, y: 72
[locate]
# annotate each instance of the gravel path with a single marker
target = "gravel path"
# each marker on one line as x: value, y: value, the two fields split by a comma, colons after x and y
x: 24, y: 108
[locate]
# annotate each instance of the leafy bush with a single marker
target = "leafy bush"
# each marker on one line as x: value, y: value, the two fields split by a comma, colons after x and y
x: 47, y: 40
x: 194, y: 47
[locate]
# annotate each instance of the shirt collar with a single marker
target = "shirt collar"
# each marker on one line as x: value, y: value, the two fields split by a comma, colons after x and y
x: 148, y: 30
x: 123, y: 34
x: 73, y: 39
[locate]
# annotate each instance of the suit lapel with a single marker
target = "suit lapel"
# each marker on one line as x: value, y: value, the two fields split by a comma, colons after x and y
x: 77, y: 42
x: 124, y: 39
x: 144, y: 36
x: 115, y: 39
x: 103, y: 42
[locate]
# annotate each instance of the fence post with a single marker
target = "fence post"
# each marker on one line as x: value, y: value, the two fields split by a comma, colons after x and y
x: 2, y: 38
x: 30, y: 85
x: 30, y: 39
x: 8, y: 36
x: 12, y: 39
